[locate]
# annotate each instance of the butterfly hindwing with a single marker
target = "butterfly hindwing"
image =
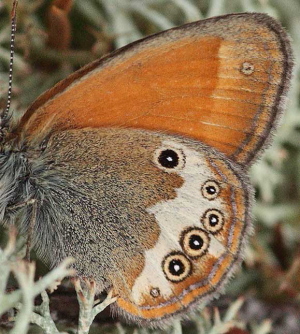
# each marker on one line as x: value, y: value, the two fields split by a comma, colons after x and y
x: 162, y: 220
x: 202, y: 233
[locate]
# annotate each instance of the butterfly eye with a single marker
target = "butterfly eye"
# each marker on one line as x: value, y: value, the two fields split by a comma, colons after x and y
x: 210, y: 190
x: 169, y: 159
x: 176, y: 267
x: 194, y: 242
x: 213, y: 220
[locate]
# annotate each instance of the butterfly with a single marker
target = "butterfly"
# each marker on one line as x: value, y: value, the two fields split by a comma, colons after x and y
x: 136, y: 165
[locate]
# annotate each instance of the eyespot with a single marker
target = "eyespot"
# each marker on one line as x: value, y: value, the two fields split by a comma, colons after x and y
x: 176, y: 267
x: 155, y: 292
x: 213, y: 220
x: 247, y: 68
x: 169, y: 159
x: 194, y: 242
x: 210, y: 190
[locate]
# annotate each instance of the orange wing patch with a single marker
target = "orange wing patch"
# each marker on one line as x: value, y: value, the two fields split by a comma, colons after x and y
x: 221, y: 81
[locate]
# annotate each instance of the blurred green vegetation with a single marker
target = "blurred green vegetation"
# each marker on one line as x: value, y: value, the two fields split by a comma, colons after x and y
x: 270, y: 277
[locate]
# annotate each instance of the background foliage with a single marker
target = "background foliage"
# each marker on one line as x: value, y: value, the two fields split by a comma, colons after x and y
x: 270, y: 278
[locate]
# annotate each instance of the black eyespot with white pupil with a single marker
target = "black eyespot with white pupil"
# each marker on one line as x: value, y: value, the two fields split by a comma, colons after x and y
x: 194, y: 241
x: 176, y: 267
x: 168, y: 159
x: 213, y: 220
x: 210, y: 190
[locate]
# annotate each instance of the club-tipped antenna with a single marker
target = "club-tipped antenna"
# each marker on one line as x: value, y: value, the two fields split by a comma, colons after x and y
x: 5, y: 112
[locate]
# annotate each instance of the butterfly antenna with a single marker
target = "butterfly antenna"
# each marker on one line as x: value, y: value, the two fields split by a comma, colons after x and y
x: 5, y: 112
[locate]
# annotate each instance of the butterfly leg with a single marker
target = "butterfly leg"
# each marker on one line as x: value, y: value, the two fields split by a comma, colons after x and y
x: 30, y: 230
x: 21, y: 205
x: 29, y: 202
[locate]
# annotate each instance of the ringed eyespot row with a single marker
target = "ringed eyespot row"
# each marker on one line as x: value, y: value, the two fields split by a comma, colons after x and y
x: 176, y: 267
x: 213, y: 220
x: 169, y: 159
x: 155, y: 292
x: 194, y: 242
x: 210, y: 190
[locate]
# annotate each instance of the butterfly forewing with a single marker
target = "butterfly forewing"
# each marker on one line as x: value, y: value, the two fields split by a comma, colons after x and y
x: 221, y: 81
